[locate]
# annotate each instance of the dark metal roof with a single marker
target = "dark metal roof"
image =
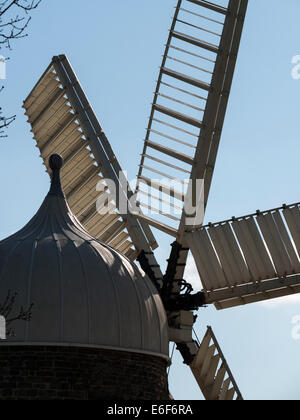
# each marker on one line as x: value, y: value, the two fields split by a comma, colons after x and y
x: 84, y: 292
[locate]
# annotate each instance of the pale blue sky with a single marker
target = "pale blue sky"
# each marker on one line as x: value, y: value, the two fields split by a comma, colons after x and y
x: 115, y: 48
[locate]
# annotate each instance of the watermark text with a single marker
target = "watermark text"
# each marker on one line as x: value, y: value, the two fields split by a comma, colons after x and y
x: 296, y: 68
x: 296, y: 328
x: 2, y: 328
x: 166, y: 197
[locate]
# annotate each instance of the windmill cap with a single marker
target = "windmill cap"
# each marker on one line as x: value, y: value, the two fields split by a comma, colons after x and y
x: 84, y: 292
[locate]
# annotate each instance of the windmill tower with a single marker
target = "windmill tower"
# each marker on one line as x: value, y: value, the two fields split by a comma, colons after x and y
x: 240, y: 261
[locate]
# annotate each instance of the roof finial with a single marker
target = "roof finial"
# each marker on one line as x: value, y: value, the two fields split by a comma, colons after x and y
x: 56, y: 163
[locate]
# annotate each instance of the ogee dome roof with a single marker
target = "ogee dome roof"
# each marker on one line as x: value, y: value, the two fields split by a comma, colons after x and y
x: 84, y: 293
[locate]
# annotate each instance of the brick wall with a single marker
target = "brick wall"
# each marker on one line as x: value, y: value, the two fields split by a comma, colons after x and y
x: 51, y: 373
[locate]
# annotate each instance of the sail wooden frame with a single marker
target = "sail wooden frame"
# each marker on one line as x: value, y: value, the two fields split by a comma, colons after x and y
x: 63, y: 121
x: 249, y: 259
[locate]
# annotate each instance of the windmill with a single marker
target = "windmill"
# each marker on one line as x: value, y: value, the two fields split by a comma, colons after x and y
x: 240, y: 261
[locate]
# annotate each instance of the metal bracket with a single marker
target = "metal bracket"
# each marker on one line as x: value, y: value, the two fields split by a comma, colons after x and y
x: 177, y: 293
x: 148, y: 268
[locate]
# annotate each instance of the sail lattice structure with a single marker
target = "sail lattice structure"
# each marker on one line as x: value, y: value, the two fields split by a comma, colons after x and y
x: 249, y: 259
x: 63, y: 121
x: 189, y: 107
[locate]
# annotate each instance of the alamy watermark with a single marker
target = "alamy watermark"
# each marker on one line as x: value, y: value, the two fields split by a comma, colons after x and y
x: 296, y: 68
x: 296, y: 328
x: 2, y: 328
x: 2, y: 68
x: 171, y: 197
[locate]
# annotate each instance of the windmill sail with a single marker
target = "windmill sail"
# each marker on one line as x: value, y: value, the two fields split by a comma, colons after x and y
x: 189, y: 107
x: 249, y: 259
x: 212, y: 372
x: 63, y: 122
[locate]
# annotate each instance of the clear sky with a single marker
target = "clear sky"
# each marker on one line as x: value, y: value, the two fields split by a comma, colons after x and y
x: 115, y: 48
